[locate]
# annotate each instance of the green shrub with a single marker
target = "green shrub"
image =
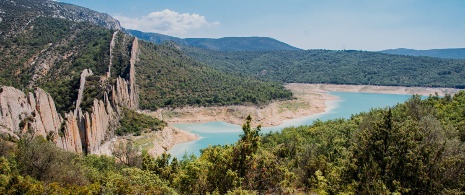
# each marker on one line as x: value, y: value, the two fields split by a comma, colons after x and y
x: 136, y: 123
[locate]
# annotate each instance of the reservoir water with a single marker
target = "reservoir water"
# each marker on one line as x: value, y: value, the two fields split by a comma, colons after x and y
x: 220, y: 133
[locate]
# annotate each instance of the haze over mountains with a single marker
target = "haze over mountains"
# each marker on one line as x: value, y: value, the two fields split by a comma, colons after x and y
x: 270, y: 44
x: 221, y: 44
x: 453, y: 53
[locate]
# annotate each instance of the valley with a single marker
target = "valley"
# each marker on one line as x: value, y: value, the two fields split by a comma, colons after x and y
x: 89, y: 107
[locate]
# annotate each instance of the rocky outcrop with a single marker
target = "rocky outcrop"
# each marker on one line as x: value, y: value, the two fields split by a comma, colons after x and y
x: 125, y: 93
x: 112, y: 45
x: 45, y: 109
x: 133, y: 93
x: 35, y: 111
x: 14, y: 107
x: 72, y: 133
x: 77, y: 132
x: 80, y: 14
x: 82, y: 85
x: 120, y: 93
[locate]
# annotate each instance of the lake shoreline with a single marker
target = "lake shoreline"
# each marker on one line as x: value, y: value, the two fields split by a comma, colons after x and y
x: 311, y: 100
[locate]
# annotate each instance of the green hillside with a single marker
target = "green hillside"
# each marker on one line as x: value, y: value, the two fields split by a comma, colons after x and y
x: 169, y: 78
x: 337, y: 67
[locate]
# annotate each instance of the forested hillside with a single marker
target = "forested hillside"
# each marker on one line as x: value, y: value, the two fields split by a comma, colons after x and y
x: 169, y: 78
x: 337, y: 67
x: 453, y: 53
x: 411, y: 148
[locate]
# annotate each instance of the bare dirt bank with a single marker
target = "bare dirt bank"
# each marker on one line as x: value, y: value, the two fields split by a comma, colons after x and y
x: 309, y: 99
x: 154, y: 142
x: 376, y: 89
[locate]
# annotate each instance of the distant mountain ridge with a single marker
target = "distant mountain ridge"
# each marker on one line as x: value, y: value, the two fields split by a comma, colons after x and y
x: 221, y: 44
x: 450, y: 53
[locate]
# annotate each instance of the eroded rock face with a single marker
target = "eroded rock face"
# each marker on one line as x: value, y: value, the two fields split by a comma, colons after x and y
x: 133, y: 94
x: 71, y: 138
x: 14, y: 108
x: 82, y: 85
x: 77, y: 132
x: 20, y: 112
x: 45, y: 108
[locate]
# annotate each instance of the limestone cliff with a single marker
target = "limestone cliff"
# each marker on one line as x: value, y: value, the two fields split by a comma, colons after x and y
x: 77, y: 132
x: 112, y: 45
x: 82, y: 84
x: 133, y: 94
x: 35, y: 111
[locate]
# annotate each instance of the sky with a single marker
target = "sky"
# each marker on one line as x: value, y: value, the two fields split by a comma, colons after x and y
x: 370, y: 25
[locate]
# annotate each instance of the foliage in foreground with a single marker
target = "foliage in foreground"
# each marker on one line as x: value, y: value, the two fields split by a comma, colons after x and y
x: 413, y: 148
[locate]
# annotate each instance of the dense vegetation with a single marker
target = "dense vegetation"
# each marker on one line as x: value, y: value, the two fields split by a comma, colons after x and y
x: 59, y: 50
x: 411, y: 148
x: 136, y: 123
x: 337, y: 67
x: 221, y: 44
x: 453, y: 53
x: 169, y: 78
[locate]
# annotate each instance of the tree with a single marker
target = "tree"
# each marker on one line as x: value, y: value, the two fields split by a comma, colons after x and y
x: 127, y: 154
x: 247, y: 145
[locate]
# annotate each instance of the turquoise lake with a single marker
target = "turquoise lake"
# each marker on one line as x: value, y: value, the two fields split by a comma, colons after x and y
x: 220, y: 133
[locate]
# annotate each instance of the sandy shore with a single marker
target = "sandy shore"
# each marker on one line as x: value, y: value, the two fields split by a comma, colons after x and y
x: 155, y: 142
x: 376, y: 89
x: 310, y: 99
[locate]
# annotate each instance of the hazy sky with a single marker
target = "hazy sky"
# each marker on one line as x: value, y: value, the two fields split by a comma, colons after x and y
x: 307, y: 24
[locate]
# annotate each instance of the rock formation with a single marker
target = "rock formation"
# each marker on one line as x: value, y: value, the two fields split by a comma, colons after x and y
x: 133, y: 94
x: 77, y: 131
x: 112, y: 45
x: 35, y: 111
x: 82, y: 84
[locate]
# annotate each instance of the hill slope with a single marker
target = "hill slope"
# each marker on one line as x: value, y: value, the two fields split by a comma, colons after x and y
x: 221, y: 44
x: 48, y: 44
x: 456, y: 53
x: 337, y: 67
x: 169, y: 78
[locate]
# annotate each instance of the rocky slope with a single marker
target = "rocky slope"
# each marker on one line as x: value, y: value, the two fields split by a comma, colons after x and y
x: 78, y: 130
x: 16, y: 15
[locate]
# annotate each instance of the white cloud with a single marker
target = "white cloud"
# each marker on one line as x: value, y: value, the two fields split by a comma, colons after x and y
x: 166, y: 22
